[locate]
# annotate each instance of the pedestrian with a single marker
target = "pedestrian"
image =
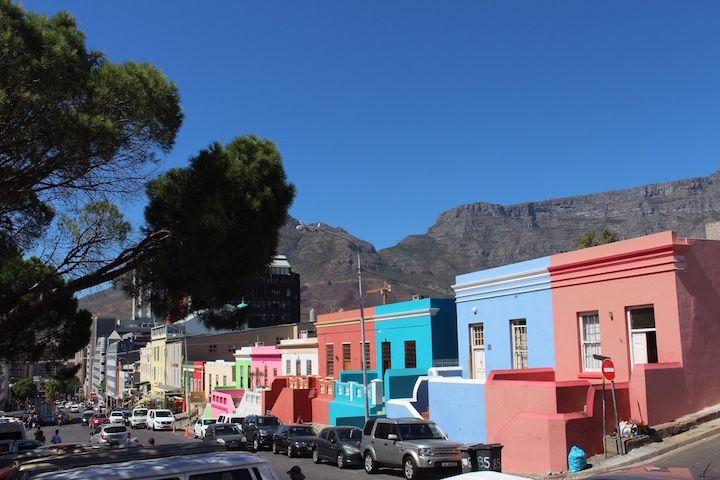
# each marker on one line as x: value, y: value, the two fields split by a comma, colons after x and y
x: 296, y: 473
x: 56, y: 438
x: 39, y: 435
x: 151, y: 441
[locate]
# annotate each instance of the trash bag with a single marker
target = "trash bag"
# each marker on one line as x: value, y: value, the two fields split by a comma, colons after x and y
x: 577, y: 459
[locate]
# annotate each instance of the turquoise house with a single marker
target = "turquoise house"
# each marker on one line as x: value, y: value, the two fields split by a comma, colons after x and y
x: 410, y: 338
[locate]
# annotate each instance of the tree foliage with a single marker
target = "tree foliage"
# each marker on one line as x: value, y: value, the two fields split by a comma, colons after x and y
x: 593, y: 238
x: 77, y: 133
x: 24, y: 389
x: 53, y: 390
x: 223, y: 214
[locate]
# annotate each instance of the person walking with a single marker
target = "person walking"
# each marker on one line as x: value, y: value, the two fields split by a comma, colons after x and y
x: 56, y: 438
x: 40, y: 435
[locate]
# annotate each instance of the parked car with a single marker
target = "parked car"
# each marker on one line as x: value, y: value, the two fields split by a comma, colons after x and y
x: 110, y: 434
x: 295, y: 440
x: 160, y: 419
x: 260, y: 429
x: 74, y: 408
x: 138, y: 418
x: 236, y: 419
x: 227, y: 434
x: 201, y: 425
x: 340, y: 445
x: 98, y: 419
x: 86, y: 416
x: 117, y: 417
x: 417, y: 446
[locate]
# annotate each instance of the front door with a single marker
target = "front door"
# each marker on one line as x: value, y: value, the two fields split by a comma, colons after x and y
x: 639, y: 348
x: 477, y: 351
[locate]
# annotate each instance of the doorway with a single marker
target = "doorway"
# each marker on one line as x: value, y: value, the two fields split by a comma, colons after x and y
x: 477, y: 351
x: 643, y: 335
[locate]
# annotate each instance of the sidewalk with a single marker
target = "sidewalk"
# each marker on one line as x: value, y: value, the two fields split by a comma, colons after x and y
x: 677, y: 434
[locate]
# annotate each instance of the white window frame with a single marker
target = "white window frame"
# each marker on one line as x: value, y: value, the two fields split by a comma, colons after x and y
x: 584, y: 342
x: 628, y: 318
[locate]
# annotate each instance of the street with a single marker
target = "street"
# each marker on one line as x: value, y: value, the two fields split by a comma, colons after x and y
x: 76, y: 432
x: 697, y: 457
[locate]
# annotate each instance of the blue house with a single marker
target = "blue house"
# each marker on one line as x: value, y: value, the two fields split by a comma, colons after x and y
x: 504, y: 321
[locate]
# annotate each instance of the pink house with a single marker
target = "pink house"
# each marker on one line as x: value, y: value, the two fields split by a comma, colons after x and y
x: 266, y: 365
x: 223, y: 402
x: 652, y: 304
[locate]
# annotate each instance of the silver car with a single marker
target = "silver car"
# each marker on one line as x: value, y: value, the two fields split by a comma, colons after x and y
x: 110, y: 434
x: 417, y: 446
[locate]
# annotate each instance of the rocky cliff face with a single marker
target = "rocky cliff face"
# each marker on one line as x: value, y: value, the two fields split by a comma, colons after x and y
x: 483, y: 235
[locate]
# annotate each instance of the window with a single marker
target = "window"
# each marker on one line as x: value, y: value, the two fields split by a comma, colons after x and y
x: 210, y: 379
x: 368, y: 426
x: 274, y: 372
x: 224, y: 380
x: 298, y: 367
x: 265, y: 375
x: 477, y: 351
x: 590, y: 341
x: 367, y: 355
x: 518, y: 334
x: 287, y: 367
x: 382, y: 430
x: 308, y: 367
x: 643, y: 336
x: 410, y: 354
x: 347, y: 351
x: 330, y: 359
x: 212, y: 347
x: 231, y: 348
x: 386, y: 356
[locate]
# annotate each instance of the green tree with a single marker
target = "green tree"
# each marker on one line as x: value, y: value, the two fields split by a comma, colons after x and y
x: 592, y: 238
x: 223, y: 214
x: 53, y: 390
x: 77, y: 134
x: 24, y: 389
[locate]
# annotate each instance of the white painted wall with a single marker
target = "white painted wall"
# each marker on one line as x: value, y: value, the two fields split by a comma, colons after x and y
x: 292, y: 357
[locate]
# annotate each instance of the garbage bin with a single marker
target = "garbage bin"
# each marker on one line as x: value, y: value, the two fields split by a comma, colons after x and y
x: 485, y: 457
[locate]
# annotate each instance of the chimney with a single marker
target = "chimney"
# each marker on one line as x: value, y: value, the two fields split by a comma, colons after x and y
x: 712, y: 231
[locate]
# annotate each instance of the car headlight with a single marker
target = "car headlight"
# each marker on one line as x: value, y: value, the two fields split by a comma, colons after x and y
x: 299, y: 444
x: 350, y: 449
x: 221, y: 440
x: 425, y: 452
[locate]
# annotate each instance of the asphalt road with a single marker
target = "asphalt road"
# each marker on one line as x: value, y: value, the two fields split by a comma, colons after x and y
x: 76, y: 432
x: 696, y: 457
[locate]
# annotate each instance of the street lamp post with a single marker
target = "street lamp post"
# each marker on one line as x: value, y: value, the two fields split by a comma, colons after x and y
x: 302, y: 227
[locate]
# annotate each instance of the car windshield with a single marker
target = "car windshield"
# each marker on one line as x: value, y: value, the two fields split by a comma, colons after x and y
x: 420, y: 431
x: 87, y: 414
x: 115, y: 430
x: 209, y: 421
x: 163, y: 413
x: 116, y: 414
x: 236, y: 420
x: 349, y: 434
x: 268, y: 421
x: 301, y: 431
x: 140, y: 413
x: 226, y: 429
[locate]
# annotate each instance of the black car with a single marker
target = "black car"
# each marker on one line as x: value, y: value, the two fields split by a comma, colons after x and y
x: 227, y: 434
x: 259, y: 430
x: 340, y: 445
x: 295, y: 440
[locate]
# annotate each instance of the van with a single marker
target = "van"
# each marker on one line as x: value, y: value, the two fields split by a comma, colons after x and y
x: 12, y: 429
x: 217, y: 465
x: 138, y: 418
x: 160, y: 419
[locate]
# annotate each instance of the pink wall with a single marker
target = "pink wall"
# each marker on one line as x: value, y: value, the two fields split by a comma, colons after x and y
x: 611, y: 278
x: 266, y: 356
x: 223, y: 402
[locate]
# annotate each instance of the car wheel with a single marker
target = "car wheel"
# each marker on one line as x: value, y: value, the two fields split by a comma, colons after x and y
x: 410, y: 470
x: 290, y: 452
x: 370, y: 463
x: 316, y: 456
x: 340, y: 460
x: 256, y: 444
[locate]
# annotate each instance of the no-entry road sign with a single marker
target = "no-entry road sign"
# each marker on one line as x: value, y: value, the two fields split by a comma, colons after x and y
x: 608, y: 370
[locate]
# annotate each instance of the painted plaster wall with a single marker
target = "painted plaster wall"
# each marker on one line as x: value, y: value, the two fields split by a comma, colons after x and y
x: 218, y: 374
x: 304, y: 357
x: 609, y: 279
x: 511, y: 292
x: 340, y: 327
x: 241, y: 372
x: 267, y: 361
x: 458, y: 407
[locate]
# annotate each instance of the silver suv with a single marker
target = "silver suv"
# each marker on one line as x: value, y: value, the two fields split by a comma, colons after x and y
x: 418, y: 446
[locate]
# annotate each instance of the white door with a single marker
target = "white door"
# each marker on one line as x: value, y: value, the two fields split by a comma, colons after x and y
x: 639, y: 348
x: 477, y: 351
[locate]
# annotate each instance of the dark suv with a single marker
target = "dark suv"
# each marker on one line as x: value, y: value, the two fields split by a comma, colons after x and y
x: 259, y: 430
x: 417, y: 446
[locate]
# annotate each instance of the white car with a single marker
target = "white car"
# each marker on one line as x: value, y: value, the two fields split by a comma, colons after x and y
x: 201, y: 425
x: 138, y: 418
x: 236, y: 419
x: 74, y: 408
x: 117, y: 418
x: 158, y: 419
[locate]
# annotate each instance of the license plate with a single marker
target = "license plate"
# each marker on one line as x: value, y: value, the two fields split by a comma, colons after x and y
x: 448, y: 464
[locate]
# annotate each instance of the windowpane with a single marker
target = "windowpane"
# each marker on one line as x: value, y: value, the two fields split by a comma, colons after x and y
x: 642, y: 318
x: 590, y: 340
x: 519, y: 343
x: 330, y: 360
x: 410, y: 354
x: 308, y: 367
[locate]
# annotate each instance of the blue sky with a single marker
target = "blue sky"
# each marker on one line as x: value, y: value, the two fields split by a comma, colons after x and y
x: 388, y: 113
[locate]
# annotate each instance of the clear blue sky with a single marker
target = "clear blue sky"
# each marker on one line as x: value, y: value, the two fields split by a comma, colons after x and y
x: 389, y: 112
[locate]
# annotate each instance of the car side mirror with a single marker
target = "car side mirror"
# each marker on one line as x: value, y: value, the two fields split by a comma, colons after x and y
x: 392, y: 437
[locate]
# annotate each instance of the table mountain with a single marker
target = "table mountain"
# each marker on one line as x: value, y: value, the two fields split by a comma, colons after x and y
x: 482, y: 235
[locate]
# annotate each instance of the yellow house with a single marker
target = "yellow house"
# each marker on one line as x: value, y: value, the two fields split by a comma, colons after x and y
x: 158, y: 340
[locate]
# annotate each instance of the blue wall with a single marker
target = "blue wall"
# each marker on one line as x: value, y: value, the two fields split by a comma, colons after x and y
x: 458, y: 407
x: 528, y: 297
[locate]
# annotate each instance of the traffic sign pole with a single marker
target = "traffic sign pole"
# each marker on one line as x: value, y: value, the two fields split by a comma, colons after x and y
x: 603, y: 413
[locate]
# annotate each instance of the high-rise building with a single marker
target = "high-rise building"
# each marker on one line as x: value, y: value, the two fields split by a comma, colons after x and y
x: 274, y: 297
